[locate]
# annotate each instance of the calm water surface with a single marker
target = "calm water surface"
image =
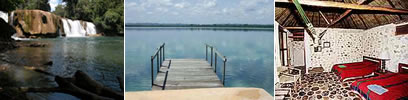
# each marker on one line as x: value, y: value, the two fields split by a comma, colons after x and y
x: 100, y: 57
x: 249, y: 54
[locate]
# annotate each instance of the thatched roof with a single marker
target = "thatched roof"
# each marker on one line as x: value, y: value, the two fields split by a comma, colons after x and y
x: 354, y: 14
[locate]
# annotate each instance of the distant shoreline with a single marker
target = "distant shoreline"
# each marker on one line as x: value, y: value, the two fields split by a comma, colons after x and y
x: 201, y: 25
x: 207, y: 27
x: 201, y: 28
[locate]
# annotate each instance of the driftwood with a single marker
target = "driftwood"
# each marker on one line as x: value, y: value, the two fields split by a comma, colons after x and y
x: 69, y: 88
x: 83, y: 81
x: 80, y: 85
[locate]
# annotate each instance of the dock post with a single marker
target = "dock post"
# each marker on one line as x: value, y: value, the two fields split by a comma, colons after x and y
x: 151, y: 60
x: 211, y: 56
x: 215, y: 65
x: 223, y: 75
x: 163, y: 52
x: 157, y: 62
x: 206, y: 52
x: 160, y: 57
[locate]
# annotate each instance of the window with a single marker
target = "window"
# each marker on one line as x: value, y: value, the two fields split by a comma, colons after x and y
x: 402, y: 29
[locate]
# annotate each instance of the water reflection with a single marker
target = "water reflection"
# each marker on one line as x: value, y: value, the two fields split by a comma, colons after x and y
x: 249, y: 54
x: 100, y: 57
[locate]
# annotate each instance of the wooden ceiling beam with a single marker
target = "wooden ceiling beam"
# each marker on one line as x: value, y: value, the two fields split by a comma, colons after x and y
x: 393, y: 6
x: 348, y: 11
x: 294, y: 28
x: 344, y: 5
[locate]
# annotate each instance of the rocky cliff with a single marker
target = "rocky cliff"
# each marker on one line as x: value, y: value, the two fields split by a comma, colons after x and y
x: 6, y: 31
x: 35, y: 23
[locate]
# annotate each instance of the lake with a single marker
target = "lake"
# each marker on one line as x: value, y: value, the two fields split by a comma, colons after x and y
x: 249, y: 53
x: 100, y: 57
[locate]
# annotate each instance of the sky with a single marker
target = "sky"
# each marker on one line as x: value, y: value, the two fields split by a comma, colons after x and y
x: 200, y: 11
x: 54, y: 3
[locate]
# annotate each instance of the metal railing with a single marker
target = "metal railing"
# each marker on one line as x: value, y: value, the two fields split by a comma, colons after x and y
x: 215, y: 54
x: 159, y: 56
x: 165, y: 78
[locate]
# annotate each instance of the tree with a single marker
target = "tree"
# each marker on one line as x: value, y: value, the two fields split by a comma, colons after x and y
x: 106, y: 14
x: 37, y: 4
x: 59, y: 10
x: 9, y: 5
x: 70, y: 5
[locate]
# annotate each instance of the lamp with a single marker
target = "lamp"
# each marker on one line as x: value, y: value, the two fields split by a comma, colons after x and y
x: 385, y: 56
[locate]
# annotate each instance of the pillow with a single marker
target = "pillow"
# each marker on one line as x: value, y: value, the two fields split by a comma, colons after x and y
x: 377, y: 89
x: 342, y: 66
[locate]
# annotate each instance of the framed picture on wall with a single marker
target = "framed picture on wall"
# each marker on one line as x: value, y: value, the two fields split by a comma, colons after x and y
x: 326, y: 45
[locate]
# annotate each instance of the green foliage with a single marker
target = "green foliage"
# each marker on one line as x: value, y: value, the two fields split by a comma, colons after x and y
x: 37, y: 4
x: 9, y: 5
x: 59, y: 10
x: 106, y: 14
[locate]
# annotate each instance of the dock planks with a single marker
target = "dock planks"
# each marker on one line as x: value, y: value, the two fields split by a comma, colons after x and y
x: 186, y: 74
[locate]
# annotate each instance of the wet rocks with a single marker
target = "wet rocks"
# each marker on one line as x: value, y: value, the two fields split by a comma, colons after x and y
x: 35, y: 23
x: 37, y: 45
x: 6, y: 31
x: 49, y: 63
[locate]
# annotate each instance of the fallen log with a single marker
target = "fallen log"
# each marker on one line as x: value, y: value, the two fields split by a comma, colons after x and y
x: 80, y: 85
x: 64, y: 86
x: 83, y: 81
x: 69, y: 88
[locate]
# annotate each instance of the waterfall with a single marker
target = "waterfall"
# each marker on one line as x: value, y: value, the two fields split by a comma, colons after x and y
x: 74, y: 28
x: 12, y: 18
x: 4, y: 16
x: 90, y: 28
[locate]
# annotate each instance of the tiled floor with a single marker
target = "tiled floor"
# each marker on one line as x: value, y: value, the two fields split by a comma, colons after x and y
x: 322, y: 86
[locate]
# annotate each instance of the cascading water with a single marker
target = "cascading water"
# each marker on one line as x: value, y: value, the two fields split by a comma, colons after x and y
x: 4, y: 16
x: 74, y: 28
x: 12, y: 18
x: 90, y: 28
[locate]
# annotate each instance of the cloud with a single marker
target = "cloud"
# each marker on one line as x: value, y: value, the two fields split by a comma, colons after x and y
x: 181, y: 5
x: 131, y: 4
x: 208, y: 4
x: 200, y: 11
x: 53, y: 4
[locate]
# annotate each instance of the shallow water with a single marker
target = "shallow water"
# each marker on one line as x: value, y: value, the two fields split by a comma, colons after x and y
x: 249, y: 54
x: 99, y: 57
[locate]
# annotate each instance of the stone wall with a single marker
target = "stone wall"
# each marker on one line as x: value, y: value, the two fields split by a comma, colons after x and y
x: 350, y: 45
x: 346, y: 45
x: 381, y: 42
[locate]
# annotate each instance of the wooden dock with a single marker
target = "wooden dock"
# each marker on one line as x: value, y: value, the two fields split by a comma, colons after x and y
x: 173, y: 74
x: 186, y: 74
